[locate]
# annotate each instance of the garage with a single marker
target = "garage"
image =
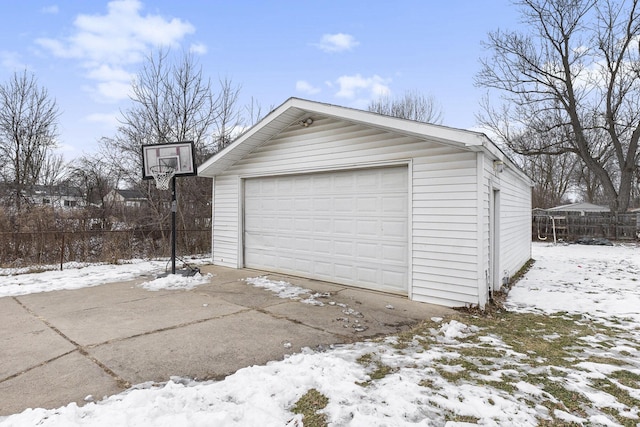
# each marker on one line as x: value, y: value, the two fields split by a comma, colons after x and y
x: 348, y: 226
x: 342, y: 195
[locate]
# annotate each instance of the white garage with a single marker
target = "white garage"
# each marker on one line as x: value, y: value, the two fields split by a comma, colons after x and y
x: 348, y: 196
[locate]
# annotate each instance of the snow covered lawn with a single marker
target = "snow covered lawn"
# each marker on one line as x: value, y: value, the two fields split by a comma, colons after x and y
x: 567, y: 351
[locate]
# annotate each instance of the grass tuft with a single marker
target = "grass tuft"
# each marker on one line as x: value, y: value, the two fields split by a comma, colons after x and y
x: 310, y: 405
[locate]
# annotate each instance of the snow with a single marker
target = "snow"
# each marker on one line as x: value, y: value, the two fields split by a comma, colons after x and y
x: 176, y: 281
x: 599, y: 283
x: 599, y: 280
x: 13, y: 284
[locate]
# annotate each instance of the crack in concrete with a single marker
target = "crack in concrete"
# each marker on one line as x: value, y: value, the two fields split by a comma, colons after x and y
x: 167, y: 328
x: 78, y: 347
x: 31, y: 368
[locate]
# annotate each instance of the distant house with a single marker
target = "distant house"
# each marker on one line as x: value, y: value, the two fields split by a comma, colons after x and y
x: 581, y: 208
x: 56, y: 196
x: 125, y: 198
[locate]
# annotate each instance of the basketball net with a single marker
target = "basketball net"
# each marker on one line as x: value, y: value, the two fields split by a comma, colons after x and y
x: 162, y: 174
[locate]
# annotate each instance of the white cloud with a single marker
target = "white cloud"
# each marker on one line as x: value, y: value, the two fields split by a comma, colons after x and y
x: 356, y: 86
x: 109, y: 120
x: 107, y: 44
x: 198, y: 48
x: 306, y: 87
x: 50, y: 10
x: 337, y: 42
x: 105, y: 72
x: 11, y: 61
x: 113, y: 90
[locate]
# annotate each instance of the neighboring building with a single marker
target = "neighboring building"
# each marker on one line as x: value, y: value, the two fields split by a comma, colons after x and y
x: 353, y: 197
x: 581, y: 208
x: 125, y: 198
x: 57, y: 196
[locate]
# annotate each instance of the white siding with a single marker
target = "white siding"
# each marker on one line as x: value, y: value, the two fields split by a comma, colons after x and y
x: 514, y: 223
x: 225, y: 221
x: 515, y: 219
x: 444, y: 227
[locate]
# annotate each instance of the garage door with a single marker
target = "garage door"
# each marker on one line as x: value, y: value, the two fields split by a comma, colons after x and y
x: 346, y: 227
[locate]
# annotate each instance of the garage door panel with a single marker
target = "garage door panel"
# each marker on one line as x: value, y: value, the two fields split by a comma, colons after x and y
x: 368, y: 228
x: 342, y: 226
x: 322, y: 246
x: 394, y: 254
x: 302, y: 224
x: 349, y: 227
x: 322, y: 225
x: 393, y: 229
x: 368, y: 205
x: 393, y: 204
x: 322, y: 204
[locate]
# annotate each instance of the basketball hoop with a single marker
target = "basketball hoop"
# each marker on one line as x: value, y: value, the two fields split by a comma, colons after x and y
x: 162, y: 174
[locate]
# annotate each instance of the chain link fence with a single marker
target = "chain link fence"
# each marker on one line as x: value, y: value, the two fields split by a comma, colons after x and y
x: 19, y: 249
x: 570, y: 226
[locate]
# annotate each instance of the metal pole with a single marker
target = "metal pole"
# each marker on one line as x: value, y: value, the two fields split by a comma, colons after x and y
x: 174, y: 208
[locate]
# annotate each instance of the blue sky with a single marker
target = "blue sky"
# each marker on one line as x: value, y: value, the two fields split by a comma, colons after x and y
x: 341, y: 52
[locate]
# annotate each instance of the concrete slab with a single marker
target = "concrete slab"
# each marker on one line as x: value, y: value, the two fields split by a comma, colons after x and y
x: 67, y: 379
x: 88, y: 321
x: 25, y: 341
x: 240, y: 293
x: 209, y: 350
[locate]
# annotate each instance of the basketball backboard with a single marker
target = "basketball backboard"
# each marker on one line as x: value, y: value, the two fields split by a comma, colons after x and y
x: 178, y: 155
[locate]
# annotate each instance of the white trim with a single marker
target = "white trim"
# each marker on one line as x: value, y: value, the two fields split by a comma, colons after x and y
x: 410, y: 230
x: 240, y: 238
x: 494, y: 238
x: 213, y: 219
x: 481, y: 267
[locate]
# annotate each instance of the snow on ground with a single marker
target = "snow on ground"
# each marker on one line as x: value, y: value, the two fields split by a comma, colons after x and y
x: 419, y: 386
x: 603, y: 281
x: 287, y: 291
x: 176, y: 281
x: 82, y: 276
x: 14, y: 282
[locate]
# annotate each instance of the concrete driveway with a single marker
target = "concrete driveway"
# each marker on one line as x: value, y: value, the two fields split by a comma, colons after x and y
x: 75, y: 346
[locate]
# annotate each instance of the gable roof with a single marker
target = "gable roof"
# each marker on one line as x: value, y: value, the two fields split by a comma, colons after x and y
x: 60, y: 190
x: 130, y: 194
x: 295, y: 110
x: 580, y: 207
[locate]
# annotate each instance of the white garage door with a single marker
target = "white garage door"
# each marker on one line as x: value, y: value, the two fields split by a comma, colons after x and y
x: 346, y: 227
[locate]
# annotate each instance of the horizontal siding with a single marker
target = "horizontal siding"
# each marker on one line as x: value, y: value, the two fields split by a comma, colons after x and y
x: 444, y: 257
x: 515, y: 220
x: 225, y: 221
x: 341, y: 146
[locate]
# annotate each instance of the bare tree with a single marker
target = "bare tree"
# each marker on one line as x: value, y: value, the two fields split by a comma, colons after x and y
x: 53, y: 170
x: 28, y: 128
x: 95, y: 174
x: 254, y: 112
x: 412, y: 106
x: 574, y: 79
x: 173, y: 101
x: 228, y: 121
x: 554, y: 172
